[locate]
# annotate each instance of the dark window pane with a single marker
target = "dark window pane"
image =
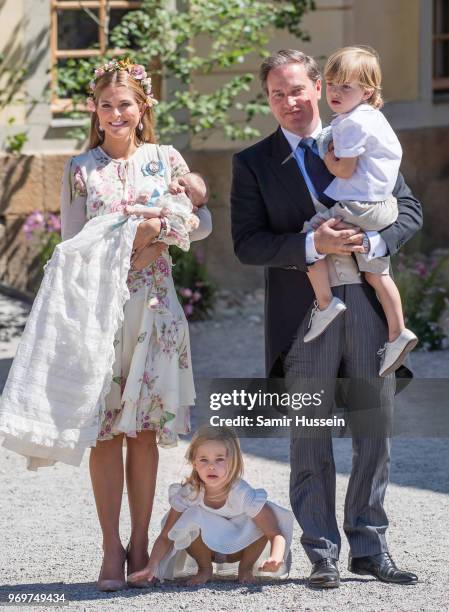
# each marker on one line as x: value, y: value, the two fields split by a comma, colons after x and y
x: 441, y: 67
x: 77, y: 29
x: 116, y: 16
x: 441, y: 16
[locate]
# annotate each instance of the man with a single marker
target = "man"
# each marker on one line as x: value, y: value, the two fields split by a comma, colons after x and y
x: 278, y: 184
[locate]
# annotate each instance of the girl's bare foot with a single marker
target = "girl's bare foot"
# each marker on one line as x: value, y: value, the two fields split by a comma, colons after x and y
x: 204, y: 575
x: 245, y: 575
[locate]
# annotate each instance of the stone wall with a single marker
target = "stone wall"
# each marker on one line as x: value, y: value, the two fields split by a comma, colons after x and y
x: 30, y: 182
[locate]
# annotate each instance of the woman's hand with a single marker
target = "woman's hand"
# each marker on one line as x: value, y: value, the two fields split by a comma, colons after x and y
x: 147, y: 231
x: 147, y: 255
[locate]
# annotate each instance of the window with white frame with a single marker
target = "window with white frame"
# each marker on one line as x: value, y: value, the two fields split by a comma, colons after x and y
x: 80, y: 30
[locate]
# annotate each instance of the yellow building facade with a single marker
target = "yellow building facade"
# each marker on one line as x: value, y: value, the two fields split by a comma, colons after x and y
x: 408, y: 34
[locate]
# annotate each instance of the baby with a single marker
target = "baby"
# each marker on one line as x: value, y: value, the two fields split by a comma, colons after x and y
x: 175, y: 209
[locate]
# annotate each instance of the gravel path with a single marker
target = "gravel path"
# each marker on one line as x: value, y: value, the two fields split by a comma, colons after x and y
x: 50, y: 537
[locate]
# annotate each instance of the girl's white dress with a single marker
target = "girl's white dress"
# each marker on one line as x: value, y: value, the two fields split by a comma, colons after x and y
x: 224, y: 530
x: 133, y: 371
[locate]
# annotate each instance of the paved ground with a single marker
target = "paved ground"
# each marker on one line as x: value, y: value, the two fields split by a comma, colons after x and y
x: 50, y: 538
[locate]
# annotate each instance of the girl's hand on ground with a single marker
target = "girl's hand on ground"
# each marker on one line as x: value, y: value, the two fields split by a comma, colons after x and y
x: 270, y: 565
x: 146, y: 256
x: 148, y: 573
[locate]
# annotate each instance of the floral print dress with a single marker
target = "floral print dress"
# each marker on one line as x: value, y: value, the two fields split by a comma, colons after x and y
x: 152, y: 386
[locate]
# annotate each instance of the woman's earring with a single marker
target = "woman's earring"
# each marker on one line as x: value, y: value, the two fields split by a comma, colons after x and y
x: 100, y: 129
x: 140, y: 126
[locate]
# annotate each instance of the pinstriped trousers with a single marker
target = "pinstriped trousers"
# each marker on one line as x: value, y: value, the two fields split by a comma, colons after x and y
x: 348, y: 349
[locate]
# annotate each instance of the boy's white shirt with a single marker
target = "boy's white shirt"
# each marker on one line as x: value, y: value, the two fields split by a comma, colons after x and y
x: 378, y: 246
x: 365, y: 133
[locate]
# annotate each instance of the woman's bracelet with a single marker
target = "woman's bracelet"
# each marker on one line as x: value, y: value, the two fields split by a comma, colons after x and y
x: 164, y: 230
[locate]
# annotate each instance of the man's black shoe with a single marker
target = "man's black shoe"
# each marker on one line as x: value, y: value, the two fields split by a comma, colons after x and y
x: 324, y: 575
x: 382, y: 567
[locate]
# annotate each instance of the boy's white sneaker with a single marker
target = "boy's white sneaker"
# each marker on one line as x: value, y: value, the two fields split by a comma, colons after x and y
x: 394, y: 353
x: 321, y: 319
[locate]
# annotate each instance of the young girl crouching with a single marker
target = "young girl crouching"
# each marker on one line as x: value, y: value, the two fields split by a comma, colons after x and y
x: 216, y: 516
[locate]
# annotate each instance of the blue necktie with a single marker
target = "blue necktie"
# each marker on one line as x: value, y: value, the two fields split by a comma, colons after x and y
x: 317, y: 171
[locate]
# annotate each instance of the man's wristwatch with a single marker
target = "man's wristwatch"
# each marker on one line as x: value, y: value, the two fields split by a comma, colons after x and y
x: 366, y: 244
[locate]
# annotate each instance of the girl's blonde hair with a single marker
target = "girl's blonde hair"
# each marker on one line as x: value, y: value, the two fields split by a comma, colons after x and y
x: 121, y: 78
x: 225, y: 435
x: 360, y: 64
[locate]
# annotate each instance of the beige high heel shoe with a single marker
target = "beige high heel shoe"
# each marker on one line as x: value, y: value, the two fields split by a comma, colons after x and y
x: 140, y: 584
x: 109, y: 585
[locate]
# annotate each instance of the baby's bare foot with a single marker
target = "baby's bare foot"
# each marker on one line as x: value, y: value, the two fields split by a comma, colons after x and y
x: 204, y: 575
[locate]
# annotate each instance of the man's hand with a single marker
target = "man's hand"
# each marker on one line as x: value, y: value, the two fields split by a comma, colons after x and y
x: 329, y: 239
x: 146, y: 256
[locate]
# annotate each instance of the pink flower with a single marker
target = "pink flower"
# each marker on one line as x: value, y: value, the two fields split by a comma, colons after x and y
x: 188, y: 309
x: 146, y: 84
x: 146, y: 378
x: 421, y: 269
x: 35, y: 222
x: 53, y: 223
x: 196, y: 296
x: 99, y: 72
x: 186, y: 292
x: 163, y: 267
x: 91, y: 107
x: 138, y: 72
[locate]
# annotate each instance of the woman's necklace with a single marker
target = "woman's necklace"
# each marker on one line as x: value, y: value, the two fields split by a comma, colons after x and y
x: 124, y: 155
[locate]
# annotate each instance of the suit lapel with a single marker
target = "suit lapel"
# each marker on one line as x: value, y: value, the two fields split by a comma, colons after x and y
x: 284, y: 166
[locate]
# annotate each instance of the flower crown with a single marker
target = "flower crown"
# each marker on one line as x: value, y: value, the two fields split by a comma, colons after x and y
x: 137, y: 71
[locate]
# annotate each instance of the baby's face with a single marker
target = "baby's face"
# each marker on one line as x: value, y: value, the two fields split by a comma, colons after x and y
x: 212, y: 463
x: 195, y: 188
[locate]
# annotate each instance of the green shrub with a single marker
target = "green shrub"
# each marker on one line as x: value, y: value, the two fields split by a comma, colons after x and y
x: 424, y: 287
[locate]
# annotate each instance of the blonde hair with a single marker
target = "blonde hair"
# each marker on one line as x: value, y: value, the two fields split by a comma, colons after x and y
x: 121, y: 78
x: 360, y: 64
x: 226, y: 436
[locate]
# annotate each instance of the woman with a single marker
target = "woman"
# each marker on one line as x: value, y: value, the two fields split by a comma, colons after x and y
x: 152, y: 385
